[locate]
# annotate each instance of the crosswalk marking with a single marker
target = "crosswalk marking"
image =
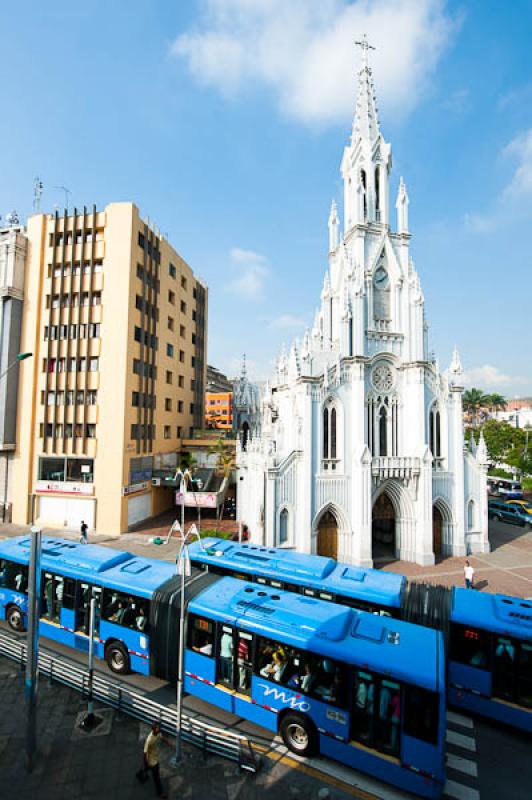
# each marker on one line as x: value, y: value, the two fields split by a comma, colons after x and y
x: 459, y: 719
x: 462, y: 765
x: 459, y: 740
x: 460, y: 792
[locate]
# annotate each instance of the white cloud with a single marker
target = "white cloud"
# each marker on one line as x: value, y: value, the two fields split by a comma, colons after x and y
x: 491, y: 377
x: 303, y: 50
x: 518, y: 188
x: 252, y: 271
x: 287, y: 321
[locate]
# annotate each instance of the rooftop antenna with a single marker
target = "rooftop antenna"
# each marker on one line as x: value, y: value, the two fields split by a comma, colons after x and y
x: 12, y: 218
x: 67, y: 194
x: 37, y: 194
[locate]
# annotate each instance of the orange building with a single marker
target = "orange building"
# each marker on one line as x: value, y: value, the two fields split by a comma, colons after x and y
x: 219, y: 410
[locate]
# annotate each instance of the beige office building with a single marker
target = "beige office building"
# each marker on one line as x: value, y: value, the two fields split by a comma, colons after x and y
x: 117, y: 323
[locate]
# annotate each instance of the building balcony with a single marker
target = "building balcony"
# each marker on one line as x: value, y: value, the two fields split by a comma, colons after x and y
x: 398, y: 467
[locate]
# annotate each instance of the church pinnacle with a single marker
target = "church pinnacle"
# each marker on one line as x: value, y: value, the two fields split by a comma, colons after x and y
x: 366, y: 121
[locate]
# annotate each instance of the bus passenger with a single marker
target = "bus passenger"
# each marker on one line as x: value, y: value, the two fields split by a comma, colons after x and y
x: 118, y: 616
x: 141, y: 620
x: 226, y: 657
x: 274, y: 670
x: 205, y: 648
x: 242, y: 661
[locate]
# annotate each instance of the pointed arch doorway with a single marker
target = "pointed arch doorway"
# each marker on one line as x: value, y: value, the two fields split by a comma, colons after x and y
x: 437, y: 531
x: 383, y: 529
x: 328, y: 536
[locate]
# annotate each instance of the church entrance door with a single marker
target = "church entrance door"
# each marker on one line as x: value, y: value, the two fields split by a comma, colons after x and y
x: 437, y: 531
x: 328, y: 536
x: 383, y: 529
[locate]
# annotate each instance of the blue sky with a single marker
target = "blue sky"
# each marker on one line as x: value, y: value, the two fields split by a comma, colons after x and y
x: 225, y: 120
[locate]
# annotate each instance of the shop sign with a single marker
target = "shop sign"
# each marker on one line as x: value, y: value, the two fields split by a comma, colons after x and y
x: 133, y: 488
x: 64, y: 487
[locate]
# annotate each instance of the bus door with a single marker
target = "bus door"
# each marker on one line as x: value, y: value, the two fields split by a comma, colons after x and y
x: 85, y: 592
x: 52, y: 592
x: 235, y: 659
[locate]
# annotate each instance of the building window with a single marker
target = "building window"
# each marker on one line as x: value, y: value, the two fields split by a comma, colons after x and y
x: 179, y: 431
x: 90, y: 431
x: 193, y: 361
x: 167, y: 404
x: 182, y: 331
x: 93, y: 364
x: 471, y: 515
x: 325, y: 433
x: 170, y: 350
x: 383, y: 432
x: 183, y: 307
x: 169, y: 377
x: 435, y: 432
x: 166, y: 432
x: 181, y: 379
x: 91, y: 397
x: 330, y: 436
x: 283, y: 527
x: 192, y: 408
x: 142, y: 241
x: 172, y: 271
x: 171, y: 298
x: 183, y: 282
x: 170, y: 323
x: 180, y: 406
x: 182, y: 356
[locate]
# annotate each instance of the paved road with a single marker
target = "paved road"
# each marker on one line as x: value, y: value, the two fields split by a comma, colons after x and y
x: 483, y: 760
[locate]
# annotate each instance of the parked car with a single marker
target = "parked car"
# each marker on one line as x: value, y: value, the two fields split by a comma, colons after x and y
x: 510, y: 513
x: 524, y: 505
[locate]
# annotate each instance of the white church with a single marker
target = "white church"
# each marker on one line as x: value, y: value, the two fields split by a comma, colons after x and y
x: 361, y: 452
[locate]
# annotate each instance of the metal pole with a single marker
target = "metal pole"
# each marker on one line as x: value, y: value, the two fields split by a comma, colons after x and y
x: 31, y: 682
x: 182, y: 486
x: 91, y: 721
x: 179, y: 699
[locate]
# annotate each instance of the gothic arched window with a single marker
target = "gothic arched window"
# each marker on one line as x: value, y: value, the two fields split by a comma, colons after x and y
x: 325, y: 433
x: 383, y: 432
x: 283, y: 526
x: 331, y: 444
x: 435, y: 431
x: 377, y: 194
x: 333, y: 433
x: 471, y: 515
x: 364, y: 185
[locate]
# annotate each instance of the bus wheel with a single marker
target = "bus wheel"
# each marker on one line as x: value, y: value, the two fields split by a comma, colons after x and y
x: 14, y: 618
x: 117, y: 658
x: 496, y: 517
x: 299, y: 734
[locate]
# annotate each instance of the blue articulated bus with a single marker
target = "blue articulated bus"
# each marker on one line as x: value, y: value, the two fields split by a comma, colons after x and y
x: 366, y: 690
x: 490, y: 656
x: 314, y: 576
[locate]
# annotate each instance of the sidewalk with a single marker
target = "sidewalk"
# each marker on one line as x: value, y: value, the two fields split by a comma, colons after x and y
x: 506, y: 570
x: 72, y: 765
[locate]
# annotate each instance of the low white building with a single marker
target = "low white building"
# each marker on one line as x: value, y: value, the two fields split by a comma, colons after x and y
x: 361, y: 450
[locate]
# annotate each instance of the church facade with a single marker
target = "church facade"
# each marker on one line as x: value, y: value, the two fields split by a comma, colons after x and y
x: 361, y: 450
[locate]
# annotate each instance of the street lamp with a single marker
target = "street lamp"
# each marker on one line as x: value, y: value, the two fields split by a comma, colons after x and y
x: 20, y: 357
x: 184, y: 571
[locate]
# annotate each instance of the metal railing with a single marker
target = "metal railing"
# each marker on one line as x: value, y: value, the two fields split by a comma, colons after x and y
x: 208, y: 738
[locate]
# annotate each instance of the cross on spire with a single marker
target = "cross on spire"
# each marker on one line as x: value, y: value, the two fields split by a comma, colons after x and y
x: 365, y: 46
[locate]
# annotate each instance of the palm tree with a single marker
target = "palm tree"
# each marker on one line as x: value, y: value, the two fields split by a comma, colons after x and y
x: 224, y: 465
x: 497, y: 402
x: 473, y: 401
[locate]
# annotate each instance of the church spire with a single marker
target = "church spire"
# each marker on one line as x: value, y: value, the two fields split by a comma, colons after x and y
x: 366, y: 121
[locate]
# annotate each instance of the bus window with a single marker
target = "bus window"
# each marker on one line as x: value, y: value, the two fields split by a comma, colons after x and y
x: 362, y: 718
x: 327, y: 596
x: 389, y: 717
x: 69, y: 593
x: 327, y: 683
x: 14, y: 576
x: 271, y: 660
x: 225, y: 656
x: 83, y: 608
x: 504, y: 653
x: 244, y: 655
x: 470, y: 646
x: 309, y: 592
x: 524, y: 675
x: 201, y: 635
x: 125, y: 610
x: 421, y: 714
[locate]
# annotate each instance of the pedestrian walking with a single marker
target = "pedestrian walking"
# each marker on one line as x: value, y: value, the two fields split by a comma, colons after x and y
x: 468, y: 575
x: 151, y: 759
x: 84, y: 528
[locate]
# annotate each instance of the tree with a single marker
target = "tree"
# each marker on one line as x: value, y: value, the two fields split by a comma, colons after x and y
x: 224, y: 450
x: 496, y: 402
x: 501, y: 439
x: 473, y: 401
